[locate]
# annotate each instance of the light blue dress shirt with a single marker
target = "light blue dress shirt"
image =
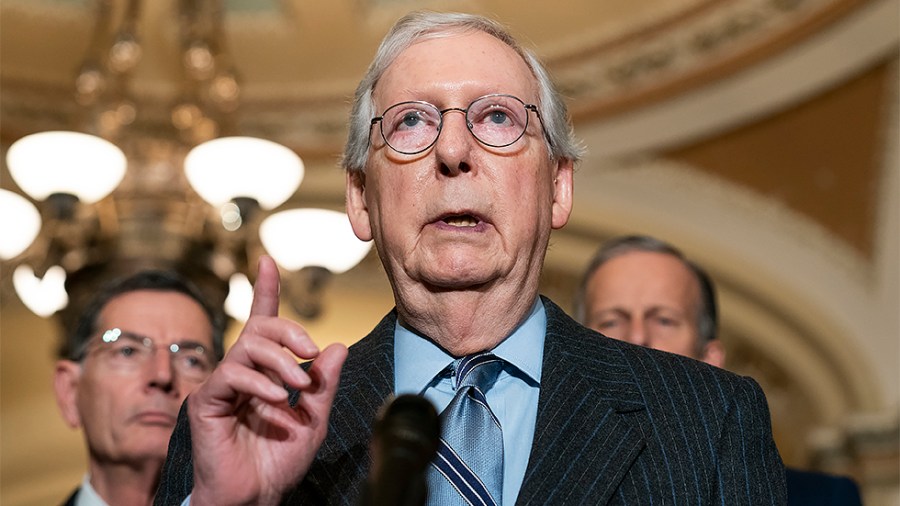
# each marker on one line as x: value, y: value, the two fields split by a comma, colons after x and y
x: 513, y: 398
x: 87, y: 495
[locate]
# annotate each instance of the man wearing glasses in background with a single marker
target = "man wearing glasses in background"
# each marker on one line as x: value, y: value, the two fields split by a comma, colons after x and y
x: 141, y: 346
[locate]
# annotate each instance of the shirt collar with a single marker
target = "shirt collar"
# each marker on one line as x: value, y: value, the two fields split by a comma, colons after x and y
x: 87, y: 496
x: 417, y: 360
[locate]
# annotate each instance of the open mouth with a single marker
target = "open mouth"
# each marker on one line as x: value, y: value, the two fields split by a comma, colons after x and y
x: 461, y: 220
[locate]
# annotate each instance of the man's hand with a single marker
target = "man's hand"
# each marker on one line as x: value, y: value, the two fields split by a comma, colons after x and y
x: 249, y: 445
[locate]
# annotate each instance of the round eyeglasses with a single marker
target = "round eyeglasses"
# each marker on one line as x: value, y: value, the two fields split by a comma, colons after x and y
x: 494, y: 120
x: 125, y: 351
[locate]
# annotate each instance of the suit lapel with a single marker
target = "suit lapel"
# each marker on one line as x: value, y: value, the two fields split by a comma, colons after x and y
x: 583, y: 443
x: 367, y: 379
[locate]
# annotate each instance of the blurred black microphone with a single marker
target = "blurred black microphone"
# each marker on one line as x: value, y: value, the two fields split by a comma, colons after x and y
x: 404, y: 443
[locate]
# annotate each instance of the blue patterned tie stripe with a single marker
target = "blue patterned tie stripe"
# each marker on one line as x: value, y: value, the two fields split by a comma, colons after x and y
x: 463, y: 479
x: 468, y: 468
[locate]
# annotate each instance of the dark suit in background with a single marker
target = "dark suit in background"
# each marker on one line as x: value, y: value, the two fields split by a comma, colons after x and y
x: 616, y: 424
x: 805, y: 487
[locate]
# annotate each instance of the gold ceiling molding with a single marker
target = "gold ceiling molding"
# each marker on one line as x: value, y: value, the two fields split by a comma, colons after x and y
x: 855, y: 44
x: 707, y: 43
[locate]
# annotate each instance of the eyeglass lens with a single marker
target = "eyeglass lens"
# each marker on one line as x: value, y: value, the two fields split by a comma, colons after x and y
x: 495, y: 120
x: 127, y: 351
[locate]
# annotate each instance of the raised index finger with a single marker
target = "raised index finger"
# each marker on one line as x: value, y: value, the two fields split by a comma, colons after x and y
x: 266, y: 289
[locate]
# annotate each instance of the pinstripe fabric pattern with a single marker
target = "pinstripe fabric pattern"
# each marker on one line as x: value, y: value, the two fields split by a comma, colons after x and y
x: 645, y: 428
x: 617, y: 424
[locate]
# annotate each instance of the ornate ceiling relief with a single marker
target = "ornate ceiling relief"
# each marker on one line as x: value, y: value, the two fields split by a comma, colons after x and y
x: 696, y: 46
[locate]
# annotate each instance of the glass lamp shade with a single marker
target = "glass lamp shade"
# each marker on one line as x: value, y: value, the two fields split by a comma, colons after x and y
x: 20, y: 223
x: 240, y: 297
x: 299, y: 238
x: 66, y: 162
x: 42, y: 296
x: 223, y: 169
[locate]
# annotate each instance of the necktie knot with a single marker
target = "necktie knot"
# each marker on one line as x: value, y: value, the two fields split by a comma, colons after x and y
x: 480, y: 371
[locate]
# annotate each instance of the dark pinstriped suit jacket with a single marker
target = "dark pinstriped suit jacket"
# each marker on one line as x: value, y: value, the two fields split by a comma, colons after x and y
x: 616, y: 424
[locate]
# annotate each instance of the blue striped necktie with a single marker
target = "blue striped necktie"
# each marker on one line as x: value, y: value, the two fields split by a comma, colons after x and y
x: 468, y: 468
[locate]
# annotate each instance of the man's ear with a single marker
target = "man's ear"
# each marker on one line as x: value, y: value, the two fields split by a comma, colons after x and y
x: 562, y: 193
x: 66, y: 378
x: 357, y: 209
x: 714, y: 353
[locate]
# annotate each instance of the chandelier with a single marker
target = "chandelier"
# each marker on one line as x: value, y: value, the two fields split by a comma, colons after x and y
x: 190, y: 194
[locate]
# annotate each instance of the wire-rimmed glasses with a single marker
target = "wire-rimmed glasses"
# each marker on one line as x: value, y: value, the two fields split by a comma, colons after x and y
x: 496, y: 120
x: 129, y: 352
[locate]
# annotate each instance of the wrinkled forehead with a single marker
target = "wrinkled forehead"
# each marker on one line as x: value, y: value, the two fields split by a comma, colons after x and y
x: 452, y: 69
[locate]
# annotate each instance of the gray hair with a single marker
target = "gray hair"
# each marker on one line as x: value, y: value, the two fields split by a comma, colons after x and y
x: 423, y: 25
x: 707, y: 310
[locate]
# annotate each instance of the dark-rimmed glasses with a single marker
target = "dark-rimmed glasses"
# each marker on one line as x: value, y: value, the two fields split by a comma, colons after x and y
x: 496, y: 120
x: 129, y: 352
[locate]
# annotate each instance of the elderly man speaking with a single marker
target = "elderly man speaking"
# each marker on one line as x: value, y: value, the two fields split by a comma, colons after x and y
x: 459, y: 164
